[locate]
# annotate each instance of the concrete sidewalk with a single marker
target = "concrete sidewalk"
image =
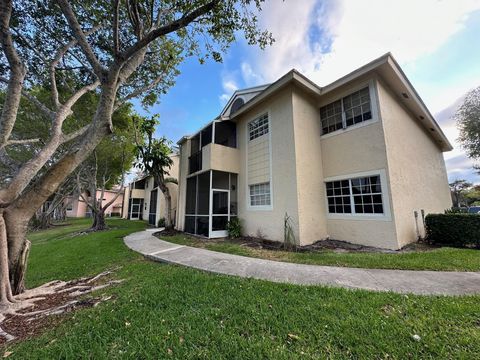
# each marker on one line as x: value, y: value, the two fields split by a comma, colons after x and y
x: 399, y: 281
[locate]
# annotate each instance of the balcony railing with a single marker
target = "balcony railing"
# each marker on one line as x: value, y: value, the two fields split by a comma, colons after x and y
x: 195, y: 162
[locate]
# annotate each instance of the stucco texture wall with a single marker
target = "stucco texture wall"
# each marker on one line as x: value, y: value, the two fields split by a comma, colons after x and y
x: 360, y: 148
x: 309, y: 169
x: 416, y: 166
x: 182, y: 184
x: 269, y: 223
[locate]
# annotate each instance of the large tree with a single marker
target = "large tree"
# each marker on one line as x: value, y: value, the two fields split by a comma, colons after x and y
x: 468, y: 123
x: 118, y: 49
x: 457, y: 190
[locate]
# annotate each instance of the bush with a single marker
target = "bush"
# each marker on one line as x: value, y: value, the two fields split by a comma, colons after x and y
x: 161, y: 222
x: 234, y: 228
x: 462, y: 230
x: 456, y: 210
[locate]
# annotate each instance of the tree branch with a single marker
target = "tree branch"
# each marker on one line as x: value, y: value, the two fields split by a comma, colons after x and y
x: 167, y: 29
x: 116, y: 40
x: 22, y: 141
x: 58, y: 56
x: 81, y: 38
x: 74, y: 98
x: 75, y: 134
x: 17, y: 75
x: 138, y: 92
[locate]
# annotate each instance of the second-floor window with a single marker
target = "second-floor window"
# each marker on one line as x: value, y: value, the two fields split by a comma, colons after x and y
x: 258, y: 127
x: 349, y: 110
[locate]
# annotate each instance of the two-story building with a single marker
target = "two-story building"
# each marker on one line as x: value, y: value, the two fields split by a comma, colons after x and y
x: 358, y: 160
x: 143, y: 199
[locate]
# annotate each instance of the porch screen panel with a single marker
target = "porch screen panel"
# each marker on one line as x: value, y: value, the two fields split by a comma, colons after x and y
x: 191, y: 203
x: 203, y: 195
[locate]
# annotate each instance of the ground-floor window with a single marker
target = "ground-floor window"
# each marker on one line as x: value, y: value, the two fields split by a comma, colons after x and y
x: 211, y: 201
x: 360, y: 195
x: 260, y: 194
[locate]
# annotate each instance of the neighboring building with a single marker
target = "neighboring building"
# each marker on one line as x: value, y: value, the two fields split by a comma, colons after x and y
x: 358, y: 160
x: 76, y: 207
x: 143, y: 200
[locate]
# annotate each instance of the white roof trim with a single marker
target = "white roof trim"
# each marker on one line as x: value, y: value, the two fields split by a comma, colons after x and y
x: 301, y: 80
x: 242, y: 92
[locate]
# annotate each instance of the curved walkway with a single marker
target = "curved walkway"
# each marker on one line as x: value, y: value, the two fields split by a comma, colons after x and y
x: 400, y: 281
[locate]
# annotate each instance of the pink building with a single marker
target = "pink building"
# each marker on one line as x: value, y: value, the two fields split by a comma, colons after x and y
x: 77, y: 207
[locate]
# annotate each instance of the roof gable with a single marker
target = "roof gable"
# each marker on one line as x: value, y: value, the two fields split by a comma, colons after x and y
x: 239, y: 98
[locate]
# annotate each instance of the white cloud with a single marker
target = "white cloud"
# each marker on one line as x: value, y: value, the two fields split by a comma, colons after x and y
x: 357, y: 32
x: 229, y: 87
x: 327, y: 39
x: 248, y: 75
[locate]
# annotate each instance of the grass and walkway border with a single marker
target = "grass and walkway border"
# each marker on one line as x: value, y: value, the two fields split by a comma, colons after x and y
x: 172, y: 312
x: 440, y: 259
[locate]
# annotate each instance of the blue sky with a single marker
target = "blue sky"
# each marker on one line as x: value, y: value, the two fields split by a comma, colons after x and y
x: 435, y: 42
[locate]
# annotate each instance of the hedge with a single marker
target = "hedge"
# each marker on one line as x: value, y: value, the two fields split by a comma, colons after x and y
x: 462, y: 230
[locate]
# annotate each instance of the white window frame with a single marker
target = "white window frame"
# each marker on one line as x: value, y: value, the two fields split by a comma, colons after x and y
x: 256, y: 119
x: 386, y: 216
x: 247, y: 140
x: 261, y: 194
x: 374, y: 106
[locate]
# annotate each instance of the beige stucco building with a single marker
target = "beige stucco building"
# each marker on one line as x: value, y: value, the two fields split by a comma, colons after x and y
x: 358, y: 160
x: 143, y: 200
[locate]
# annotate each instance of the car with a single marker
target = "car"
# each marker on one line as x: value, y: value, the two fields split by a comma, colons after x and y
x: 474, y: 210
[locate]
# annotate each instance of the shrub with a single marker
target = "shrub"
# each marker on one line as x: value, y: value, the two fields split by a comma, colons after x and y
x: 161, y: 222
x: 456, y: 210
x: 462, y: 230
x: 234, y: 228
x: 289, y: 241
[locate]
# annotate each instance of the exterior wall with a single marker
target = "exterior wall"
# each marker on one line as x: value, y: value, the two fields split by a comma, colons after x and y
x: 258, y: 160
x: 309, y: 169
x: 146, y: 198
x: 137, y: 193
x: 359, y: 148
x: 182, y: 184
x: 416, y: 166
x: 80, y: 208
x: 219, y: 157
x: 126, y: 197
x: 269, y: 223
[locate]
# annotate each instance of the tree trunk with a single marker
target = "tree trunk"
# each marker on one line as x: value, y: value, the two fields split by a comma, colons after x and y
x: 18, y: 248
x: 168, y: 202
x: 6, y: 296
x: 45, y: 220
x: 99, y: 223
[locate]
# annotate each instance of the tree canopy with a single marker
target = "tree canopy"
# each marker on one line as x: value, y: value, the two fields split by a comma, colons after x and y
x: 468, y: 122
x: 118, y: 50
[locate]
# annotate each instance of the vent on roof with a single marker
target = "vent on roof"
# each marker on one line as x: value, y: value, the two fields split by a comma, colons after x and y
x: 405, y: 95
x: 421, y: 117
x: 237, y: 104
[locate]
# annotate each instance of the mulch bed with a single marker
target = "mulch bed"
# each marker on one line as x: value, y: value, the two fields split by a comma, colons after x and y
x: 321, y: 245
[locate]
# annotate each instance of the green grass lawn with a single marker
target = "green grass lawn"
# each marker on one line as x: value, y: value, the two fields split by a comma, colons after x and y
x: 447, y: 259
x: 166, y: 312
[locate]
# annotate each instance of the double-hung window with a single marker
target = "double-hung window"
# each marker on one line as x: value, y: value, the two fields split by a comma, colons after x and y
x: 349, y: 110
x: 360, y: 195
